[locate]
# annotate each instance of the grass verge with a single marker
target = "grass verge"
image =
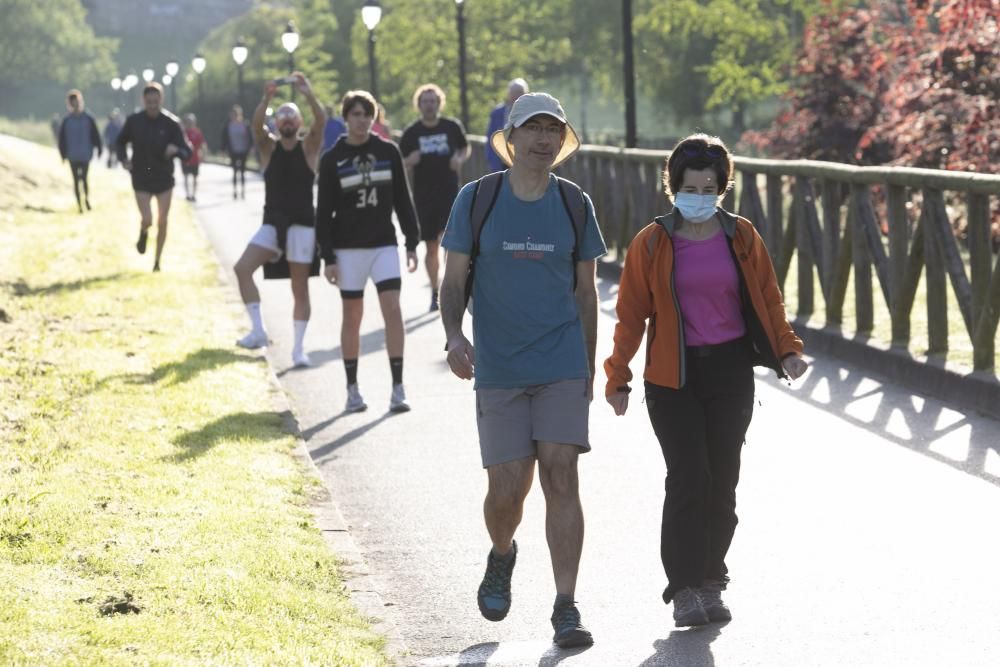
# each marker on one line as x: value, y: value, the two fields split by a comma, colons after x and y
x: 151, y: 509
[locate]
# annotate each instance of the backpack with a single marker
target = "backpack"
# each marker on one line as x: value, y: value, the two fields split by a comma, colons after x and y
x: 484, y: 197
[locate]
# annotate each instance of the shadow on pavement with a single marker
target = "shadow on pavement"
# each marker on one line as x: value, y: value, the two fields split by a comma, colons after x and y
x: 373, y: 341
x: 322, y: 451
x: 691, y: 647
x: 237, y: 426
x: 925, y: 425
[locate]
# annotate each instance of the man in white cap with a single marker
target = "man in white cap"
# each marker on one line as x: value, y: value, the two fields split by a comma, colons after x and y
x: 532, y: 239
x: 289, y: 227
x: 498, y: 118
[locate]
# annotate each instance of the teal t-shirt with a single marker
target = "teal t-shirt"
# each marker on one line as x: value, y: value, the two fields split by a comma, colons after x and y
x: 526, y: 328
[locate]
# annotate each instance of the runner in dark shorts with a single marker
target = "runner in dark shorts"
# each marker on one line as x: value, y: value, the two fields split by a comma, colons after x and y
x: 237, y: 141
x: 434, y: 148
x: 156, y: 138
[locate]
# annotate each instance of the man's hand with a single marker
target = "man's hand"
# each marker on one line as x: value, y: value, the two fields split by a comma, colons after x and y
x: 270, y: 88
x: 619, y: 401
x: 455, y: 162
x: 795, y: 366
x: 303, y: 84
x: 461, y: 357
x: 412, y: 160
x: 332, y: 273
x: 171, y: 151
x: 411, y: 260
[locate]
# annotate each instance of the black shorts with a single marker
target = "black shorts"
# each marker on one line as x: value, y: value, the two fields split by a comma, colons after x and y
x: 433, y: 216
x: 152, y: 187
x: 189, y: 169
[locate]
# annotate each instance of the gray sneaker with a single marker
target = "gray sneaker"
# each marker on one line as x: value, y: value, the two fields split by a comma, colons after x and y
x: 711, y: 599
x: 354, y: 401
x: 398, y: 401
x: 688, y: 609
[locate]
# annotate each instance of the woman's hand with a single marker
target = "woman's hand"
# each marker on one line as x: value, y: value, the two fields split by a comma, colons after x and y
x: 794, y: 365
x: 618, y: 401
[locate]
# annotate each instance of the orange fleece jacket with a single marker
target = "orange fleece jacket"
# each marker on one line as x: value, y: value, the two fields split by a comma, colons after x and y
x: 646, y: 293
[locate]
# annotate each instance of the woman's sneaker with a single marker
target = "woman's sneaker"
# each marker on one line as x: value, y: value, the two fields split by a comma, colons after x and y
x: 253, y: 340
x: 397, y: 402
x: 711, y: 599
x: 494, y: 591
x: 688, y: 609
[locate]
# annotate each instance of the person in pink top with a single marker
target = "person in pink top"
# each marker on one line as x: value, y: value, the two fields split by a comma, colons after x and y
x: 190, y: 167
x: 703, y: 280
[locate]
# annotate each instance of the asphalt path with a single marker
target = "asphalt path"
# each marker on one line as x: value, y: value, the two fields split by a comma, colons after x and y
x: 868, y: 515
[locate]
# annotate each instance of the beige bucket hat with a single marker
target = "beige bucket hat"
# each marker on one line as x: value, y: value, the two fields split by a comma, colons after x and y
x: 526, y: 107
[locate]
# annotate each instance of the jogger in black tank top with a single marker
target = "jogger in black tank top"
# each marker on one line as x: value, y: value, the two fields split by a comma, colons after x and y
x: 289, y: 166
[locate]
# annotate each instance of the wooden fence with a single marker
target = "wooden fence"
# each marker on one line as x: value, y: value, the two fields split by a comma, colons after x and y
x: 833, y: 218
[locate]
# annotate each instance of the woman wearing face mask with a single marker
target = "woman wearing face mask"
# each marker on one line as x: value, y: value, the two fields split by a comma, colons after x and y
x: 702, y: 279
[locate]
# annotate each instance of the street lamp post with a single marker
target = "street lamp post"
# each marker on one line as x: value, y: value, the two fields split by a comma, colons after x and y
x: 116, y: 85
x: 290, y: 40
x: 198, y: 65
x: 371, y: 14
x: 148, y: 74
x: 460, y: 17
x: 630, y: 130
x: 128, y: 83
x: 172, y: 68
x: 240, y: 54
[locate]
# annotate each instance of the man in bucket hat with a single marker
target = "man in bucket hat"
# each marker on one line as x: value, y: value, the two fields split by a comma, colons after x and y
x: 532, y: 239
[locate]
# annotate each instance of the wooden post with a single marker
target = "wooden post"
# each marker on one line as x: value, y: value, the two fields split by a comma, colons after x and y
x: 804, y: 249
x: 775, y: 217
x: 863, y: 307
x: 937, y: 286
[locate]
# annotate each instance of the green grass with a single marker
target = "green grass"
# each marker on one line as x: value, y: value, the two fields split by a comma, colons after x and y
x: 30, y: 129
x: 143, y: 460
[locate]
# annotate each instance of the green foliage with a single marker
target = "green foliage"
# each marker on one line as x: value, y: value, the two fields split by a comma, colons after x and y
x: 50, y: 40
x: 261, y: 30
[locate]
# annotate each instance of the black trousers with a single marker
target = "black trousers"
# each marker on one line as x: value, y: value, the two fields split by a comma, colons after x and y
x: 80, y: 170
x: 701, y: 428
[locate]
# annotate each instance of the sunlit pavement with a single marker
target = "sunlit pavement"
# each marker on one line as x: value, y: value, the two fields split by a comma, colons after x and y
x: 868, y: 515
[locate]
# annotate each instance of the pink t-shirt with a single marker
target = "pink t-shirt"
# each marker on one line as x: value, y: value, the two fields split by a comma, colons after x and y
x: 708, y: 288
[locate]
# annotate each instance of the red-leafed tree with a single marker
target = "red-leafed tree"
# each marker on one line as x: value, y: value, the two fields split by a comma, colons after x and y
x: 911, y: 83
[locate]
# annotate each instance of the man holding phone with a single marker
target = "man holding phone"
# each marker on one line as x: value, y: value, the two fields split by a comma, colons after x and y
x: 289, y: 227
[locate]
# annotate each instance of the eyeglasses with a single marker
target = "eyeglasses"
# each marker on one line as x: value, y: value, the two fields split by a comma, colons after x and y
x: 699, y: 150
x: 537, y: 128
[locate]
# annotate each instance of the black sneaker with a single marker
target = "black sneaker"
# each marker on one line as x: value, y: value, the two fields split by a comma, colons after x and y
x: 570, y: 632
x: 434, y: 301
x: 494, y: 591
x: 156, y: 267
x: 141, y: 243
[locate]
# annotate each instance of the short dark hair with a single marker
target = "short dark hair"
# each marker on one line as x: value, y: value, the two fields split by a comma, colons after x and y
x: 152, y: 87
x: 698, y: 151
x: 362, y: 97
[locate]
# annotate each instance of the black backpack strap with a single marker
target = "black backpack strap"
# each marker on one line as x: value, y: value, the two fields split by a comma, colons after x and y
x: 484, y: 197
x: 576, y: 208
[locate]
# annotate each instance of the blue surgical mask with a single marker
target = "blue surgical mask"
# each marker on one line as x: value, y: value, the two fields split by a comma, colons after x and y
x: 694, y: 207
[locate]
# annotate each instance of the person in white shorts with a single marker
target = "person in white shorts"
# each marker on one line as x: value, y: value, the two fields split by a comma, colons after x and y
x: 289, y: 166
x: 361, y: 183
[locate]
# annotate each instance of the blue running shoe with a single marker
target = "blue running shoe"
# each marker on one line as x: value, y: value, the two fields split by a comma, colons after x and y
x: 494, y: 591
x: 570, y: 632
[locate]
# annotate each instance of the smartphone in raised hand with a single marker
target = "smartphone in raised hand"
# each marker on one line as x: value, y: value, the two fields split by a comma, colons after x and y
x: 292, y: 79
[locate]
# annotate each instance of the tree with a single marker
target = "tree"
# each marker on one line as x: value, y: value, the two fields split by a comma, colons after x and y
x: 50, y: 40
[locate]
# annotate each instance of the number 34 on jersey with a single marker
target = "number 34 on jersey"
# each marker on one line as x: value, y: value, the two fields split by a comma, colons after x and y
x: 367, y: 197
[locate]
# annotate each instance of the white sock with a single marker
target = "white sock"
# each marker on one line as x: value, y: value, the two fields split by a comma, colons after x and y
x: 300, y: 333
x: 253, y: 309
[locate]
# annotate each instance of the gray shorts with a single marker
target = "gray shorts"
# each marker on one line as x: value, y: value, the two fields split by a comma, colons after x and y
x: 512, y: 421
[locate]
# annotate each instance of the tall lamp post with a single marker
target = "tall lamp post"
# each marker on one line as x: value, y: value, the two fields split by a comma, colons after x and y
x: 240, y: 53
x: 172, y: 68
x: 116, y: 85
x: 371, y: 14
x: 290, y: 40
x: 630, y: 130
x: 198, y: 65
x: 460, y: 17
x: 128, y: 83
x: 148, y: 74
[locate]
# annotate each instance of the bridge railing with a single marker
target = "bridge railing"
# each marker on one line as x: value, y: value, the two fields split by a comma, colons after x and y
x: 837, y: 221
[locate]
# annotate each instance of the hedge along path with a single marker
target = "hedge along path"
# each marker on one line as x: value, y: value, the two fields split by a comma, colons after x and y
x: 151, y: 509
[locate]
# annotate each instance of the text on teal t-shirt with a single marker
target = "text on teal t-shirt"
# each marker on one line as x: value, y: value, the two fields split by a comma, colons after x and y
x: 526, y: 326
